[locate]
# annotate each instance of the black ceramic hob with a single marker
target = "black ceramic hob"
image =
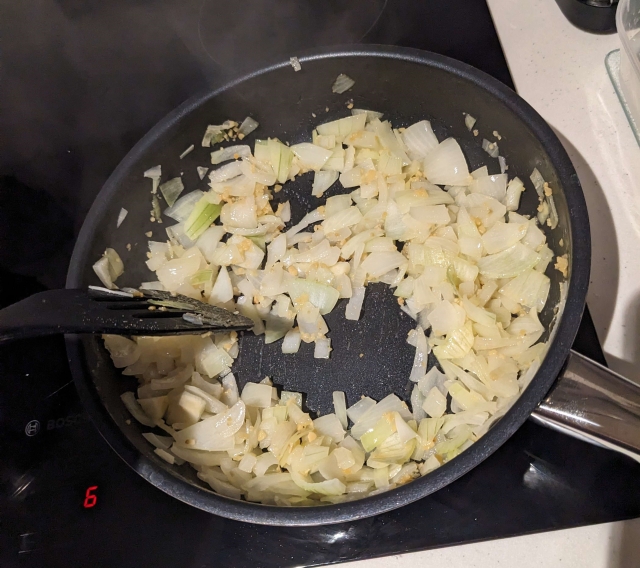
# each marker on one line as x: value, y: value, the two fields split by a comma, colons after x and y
x: 82, y: 81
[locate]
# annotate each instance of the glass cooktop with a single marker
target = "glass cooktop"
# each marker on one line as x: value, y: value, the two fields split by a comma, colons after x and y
x: 82, y: 82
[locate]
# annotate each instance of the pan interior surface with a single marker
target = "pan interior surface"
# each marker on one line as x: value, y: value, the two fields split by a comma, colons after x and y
x: 370, y: 357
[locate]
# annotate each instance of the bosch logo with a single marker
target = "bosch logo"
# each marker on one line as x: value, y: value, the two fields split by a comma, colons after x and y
x: 32, y: 428
x: 70, y: 420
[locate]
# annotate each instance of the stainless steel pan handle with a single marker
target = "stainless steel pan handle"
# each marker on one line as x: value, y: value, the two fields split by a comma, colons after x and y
x: 593, y: 403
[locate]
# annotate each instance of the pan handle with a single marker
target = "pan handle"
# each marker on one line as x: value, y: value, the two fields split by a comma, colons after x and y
x: 592, y: 403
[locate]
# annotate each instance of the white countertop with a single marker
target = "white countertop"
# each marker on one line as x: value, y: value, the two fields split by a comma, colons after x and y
x: 560, y: 71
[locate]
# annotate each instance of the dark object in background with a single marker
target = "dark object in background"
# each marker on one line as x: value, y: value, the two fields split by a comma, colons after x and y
x: 597, y: 16
x: 36, y: 235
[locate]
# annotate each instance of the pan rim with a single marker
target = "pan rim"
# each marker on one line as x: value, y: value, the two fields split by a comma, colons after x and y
x: 564, y: 332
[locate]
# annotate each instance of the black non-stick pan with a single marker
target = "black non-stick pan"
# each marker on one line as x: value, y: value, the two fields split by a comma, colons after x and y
x: 371, y: 356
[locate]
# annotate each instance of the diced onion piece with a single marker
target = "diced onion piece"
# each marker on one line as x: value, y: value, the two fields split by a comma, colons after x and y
x: 491, y: 148
x: 131, y: 404
x: 121, y: 217
x: 227, y: 172
x: 109, y: 268
x: 354, y: 306
x: 154, y: 174
x: 419, y: 139
x: 342, y: 83
x: 311, y: 156
x: 322, y: 181
x: 503, y: 236
x: 230, y: 153
x: 514, y: 190
x: 508, y: 263
x: 215, y: 433
x: 166, y: 456
x: 215, y: 132
x: 343, y: 126
x: 419, y: 367
x: 322, y: 348
x: 295, y: 63
x: 256, y: 395
x: 204, y: 213
x: 123, y: 351
x: 435, y: 403
x: 187, y: 151
x: 446, y: 164
x: 320, y: 295
x: 162, y: 442
x: 329, y: 425
x: 340, y: 407
x: 530, y: 289
x: 202, y: 171
x: 155, y: 406
x: 171, y: 190
x: 469, y: 121
x: 370, y: 114
x: 182, y: 208
x: 212, y: 404
x: 494, y: 186
x: 291, y: 341
x: 248, y: 126
x: 379, y: 263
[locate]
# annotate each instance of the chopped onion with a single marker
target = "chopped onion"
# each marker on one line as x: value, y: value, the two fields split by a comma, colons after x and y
x: 329, y: 425
x: 469, y: 122
x: 162, y: 442
x: 354, y: 306
x: 182, y: 208
x: 203, y: 214
x: 121, y: 217
x: 109, y: 268
x: 256, y: 395
x: 419, y: 367
x: 490, y: 148
x: 291, y: 342
x: 202, y: 171
x: 342, y: 83
x: 129, y: 400
x: 461, y: 267
x: 295, y: 63
x: 214, y: 433
x: 503, y: 235
x: 508, y: 263
x: 322, y: 181
x: 187, y: 151
x: 248, y: 126
x: 514, y: 190
x: 230, y: 153
x: 311, y: 156
x: 446, y: 164
x: 322, y: 348
x: 370, y: 114
x: 226, y: 172
x: 171, y: 190
x: 340, y: 406
x: 216, y: 132
x: 154, y: 174
x: 419, y: 139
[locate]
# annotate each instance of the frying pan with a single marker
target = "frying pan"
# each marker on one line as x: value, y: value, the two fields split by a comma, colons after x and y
x: 406, y: 85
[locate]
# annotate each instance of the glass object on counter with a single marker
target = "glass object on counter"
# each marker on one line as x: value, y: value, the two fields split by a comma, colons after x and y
x: 628, y: 23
